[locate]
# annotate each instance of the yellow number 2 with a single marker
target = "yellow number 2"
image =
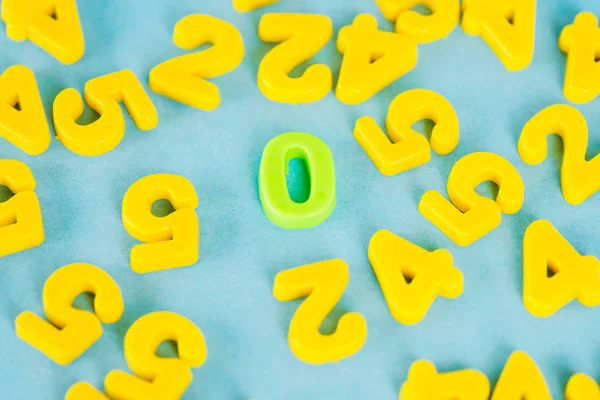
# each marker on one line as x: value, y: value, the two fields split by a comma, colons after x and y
x: 158, y: 378
x: 408, y: 148
x: 324, y: 283
x: 303, y: 35
x: 431, y: 275
x: 579, y: 178
x: 74, y: 330
x: 507, y: 26
x: 573, y: 276
x: 473, y: 215
x: 183, y: 78
x: 21, y: 224
x: 172, y: 241
x: 51, y: 24
x: 22, y: 117
x: 103, y: 95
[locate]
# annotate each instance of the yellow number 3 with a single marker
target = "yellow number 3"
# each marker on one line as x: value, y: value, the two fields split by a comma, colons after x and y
x: 324, y: 283
x: 51, y: 24
x: 21, y: 225
x: 174, y: 240
x: 474, y: 216
x: 76, y: 330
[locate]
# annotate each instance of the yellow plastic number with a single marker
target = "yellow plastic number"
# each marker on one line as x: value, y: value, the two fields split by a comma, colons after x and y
x: 408, y: 148
x: 72, y: 331
x: 580, y: 41
x: 507, y: 26
x: 573, y: 276
x: 373, y: 59
x: 579, y: 178
x: 84, y: 391
x: 582, y: 387
x: 474, y: 216
x: 249, y: 5
x: 431, y: 274
x: 303, y: 35
x: 158, y: 378
x: 442, y: 21
x: 172, y: 241
x: 425, y: 383
x: 521, y: 379
x: 21, y: 224
x: 103, y: 95
x: 22, y: 118
x: 324, y: 283
x: 53, y: 25
x: 183, y: 78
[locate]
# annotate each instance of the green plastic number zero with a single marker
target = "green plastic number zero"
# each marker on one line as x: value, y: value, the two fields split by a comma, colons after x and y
x: 272, y: 181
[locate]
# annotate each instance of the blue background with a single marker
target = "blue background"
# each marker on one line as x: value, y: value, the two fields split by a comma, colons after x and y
x: 228, y: 292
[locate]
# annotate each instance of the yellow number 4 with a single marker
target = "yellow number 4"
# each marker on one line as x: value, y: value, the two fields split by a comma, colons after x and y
x: 395, y: 259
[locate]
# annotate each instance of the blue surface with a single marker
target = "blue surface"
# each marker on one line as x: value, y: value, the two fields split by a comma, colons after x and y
x: 228, y: 292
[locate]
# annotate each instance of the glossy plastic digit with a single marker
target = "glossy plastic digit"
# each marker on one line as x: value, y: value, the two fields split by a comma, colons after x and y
x: 323, y: 284
x: 72, y: 331
x: 444, y: 17
x: 303, y: 35
x: 582, y: 387
x: 84, y: 391
x: 471, y: 216
x: 521, y: 379
x: 103, y: 95
x: 580, y: 41
x: 574, y: 276
x: 53, y: 25
x: 22, y: 118
x: 275, y: 199
x: 183, y: 78
x: 250, y: 5
x: 579, y: 178
x: 431, y: 274
x: 409, y: 149
x: 425, y: 383
x: 172, y: 241
x: 21, y: 224
x: 158, y: 378
x: 507, y: 26
x: 373, y: 59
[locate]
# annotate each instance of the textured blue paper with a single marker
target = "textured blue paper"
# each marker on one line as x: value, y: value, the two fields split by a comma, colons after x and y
x: 228, y: 293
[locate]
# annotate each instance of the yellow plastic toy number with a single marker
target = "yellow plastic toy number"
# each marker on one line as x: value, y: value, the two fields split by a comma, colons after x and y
x: 172, y: 241
x: 158, y: 378
x: 21, y: 224
x: 473, y: 216
x: 573, y: 276
x: 579, y: 178
x: 22, y: 118
x: 582, y: 387
x: 303, y: 35
x: 425, y: 383
x: 103, y: 95
x: 324, y: 283
x: 408, y: 148
x: 507, y: 26
x: 580, y: 41
x: 183, y: 78
x: 444, y: 17
x: 521, y: 379
x: 396, y: 260
x: 84, y: 391
x: 53, y: 25
x: 249, y: 5
x: 373, y: 59
x: 72, y: 331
